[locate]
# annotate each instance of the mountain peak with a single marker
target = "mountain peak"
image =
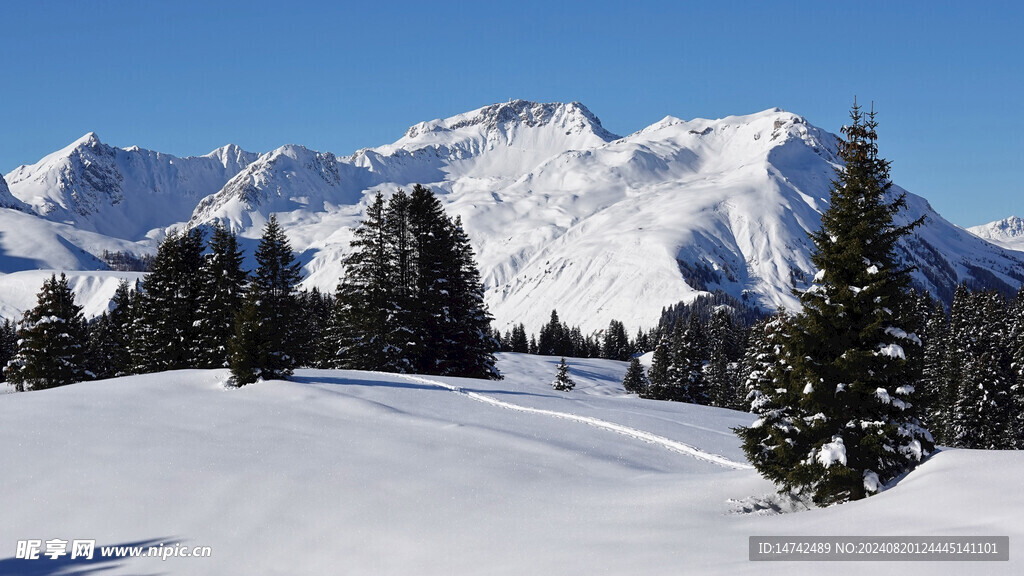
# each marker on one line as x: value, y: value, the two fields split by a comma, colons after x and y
x: 574, y: 117
x: 89, y: 139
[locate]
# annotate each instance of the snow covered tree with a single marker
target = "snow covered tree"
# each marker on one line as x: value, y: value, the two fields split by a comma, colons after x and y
x: 221, y: 292
x: 934, y: 383
x: 272, y: 305
x: 983, y: 406
x: 562, y: 379
x: 635, y: 380
x: 8, y: 344
x: 52, y: 341
x: 851, y: 424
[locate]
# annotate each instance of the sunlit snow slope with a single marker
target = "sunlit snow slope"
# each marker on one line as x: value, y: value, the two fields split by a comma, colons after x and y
x: 350, y: 472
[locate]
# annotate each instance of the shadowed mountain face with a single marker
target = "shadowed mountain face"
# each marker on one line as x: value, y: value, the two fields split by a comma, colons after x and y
x: 562, y: 213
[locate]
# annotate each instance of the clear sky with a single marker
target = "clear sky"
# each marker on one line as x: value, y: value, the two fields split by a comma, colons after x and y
x: 186, y: 77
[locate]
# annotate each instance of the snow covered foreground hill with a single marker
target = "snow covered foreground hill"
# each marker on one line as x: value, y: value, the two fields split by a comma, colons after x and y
x: 351, y: 472
x: 562, y: 213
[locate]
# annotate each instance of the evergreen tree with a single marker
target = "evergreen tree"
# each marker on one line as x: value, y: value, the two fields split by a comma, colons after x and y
x: 934, y: 382
x: 247, y: 347
x: 273, y: 294
x: 616, y: 342
x: 52, y: 341
x: 314, y: 347
x: 222, y: 289
x: 550, y: 340
x: 8, y: 344
x: 166, y: 328
x: 364, y: 302
x: 470, y: 351
x: 686, y: 371
x: 562, y: 379
x: 660, y: 386
x: 517, y: 340
x: 724, y: 350
x: 853, y: 416
x: 635, y: 380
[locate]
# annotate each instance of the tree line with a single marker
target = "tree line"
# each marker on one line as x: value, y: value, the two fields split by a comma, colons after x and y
x: 410, y: 300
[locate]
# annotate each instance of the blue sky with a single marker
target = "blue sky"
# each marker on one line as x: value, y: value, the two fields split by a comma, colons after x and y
x: 187, y: 77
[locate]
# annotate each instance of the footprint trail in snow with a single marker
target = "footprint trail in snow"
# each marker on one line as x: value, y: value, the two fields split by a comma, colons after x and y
x: 668, y: 443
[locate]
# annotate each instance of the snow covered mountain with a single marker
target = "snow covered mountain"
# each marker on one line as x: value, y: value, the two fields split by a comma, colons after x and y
x: 124, y: 193
x: 562, y: 213
x: 1008, y: 233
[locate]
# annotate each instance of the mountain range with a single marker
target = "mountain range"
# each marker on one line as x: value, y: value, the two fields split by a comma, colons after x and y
x: 562, y: 213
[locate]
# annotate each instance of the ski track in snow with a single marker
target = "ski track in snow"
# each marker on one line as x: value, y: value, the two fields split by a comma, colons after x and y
x: 617, y: 428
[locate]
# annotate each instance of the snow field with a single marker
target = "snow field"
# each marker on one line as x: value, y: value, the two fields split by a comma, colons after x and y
x: 354, y: 472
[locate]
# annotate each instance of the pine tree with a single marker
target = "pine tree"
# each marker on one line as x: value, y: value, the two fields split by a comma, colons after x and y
x: 562, y: 379
x: 660, y: 386
x: 852, y: 411
x: 549, y: 341
x: 52, y: 341
x: 470, y: 351
x: 686, y: 371
x: 635, y: 380
x: 273, y: 292
x: 723, y: 349
x: 934, y: 382
x: 247, y: 346
x: 517, y: 341
x: 616, y: 342
x: 364, y: 302
x: 222, y: 290
x: 8, y: 344
x: 166, y: 329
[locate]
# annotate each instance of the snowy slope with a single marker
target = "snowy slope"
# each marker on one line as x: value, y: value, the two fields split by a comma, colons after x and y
x: 1008, y: 233
x: 93, y: 290
x: 124, y: 193
x: 562, y: 213
x: 347, y: 472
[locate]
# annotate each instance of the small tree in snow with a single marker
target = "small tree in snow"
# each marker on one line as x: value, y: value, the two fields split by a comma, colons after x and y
x: 562, y: 379
x: 635, y: 381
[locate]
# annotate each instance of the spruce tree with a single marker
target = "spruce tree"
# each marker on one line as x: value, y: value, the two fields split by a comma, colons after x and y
x: 616, y: 342
x: 362, y: 323
x: 635, y: 380
x: 8, y: 344
x: 273, y: 294
x: 166, y: 328
x: 562, y: 379
x: 53, y: 341
x: 517, y: 341
x: 660, y: 386
x: 470, y: 347
x: 852, y: 410
x: 222, y: 289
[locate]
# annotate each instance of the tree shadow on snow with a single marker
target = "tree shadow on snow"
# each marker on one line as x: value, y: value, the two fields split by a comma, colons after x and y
x: 65, y: 566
